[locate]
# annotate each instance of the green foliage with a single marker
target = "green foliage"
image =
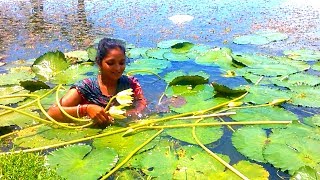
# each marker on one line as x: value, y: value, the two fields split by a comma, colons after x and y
x: 306, y: 96
x: 157, y: 53
x: 183, y: 78
x: 137, y: 53
x: 215, y: 57
x: 82, y: 162
x: 313, y: 121
x: 12, y: 90
x: 145, y: 66
x: 169, y: 43
x: 78, y: 55
x: 206, y: 135
x: 260, y: 38
x: 303, y: 54
x: 19, y: 119
x: 15, y: 75
x: 25, y: 166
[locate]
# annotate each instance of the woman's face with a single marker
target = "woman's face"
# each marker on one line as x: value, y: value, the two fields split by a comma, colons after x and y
x: 113, y: 65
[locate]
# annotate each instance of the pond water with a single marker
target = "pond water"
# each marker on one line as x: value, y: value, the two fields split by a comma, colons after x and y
x: 29, y: 29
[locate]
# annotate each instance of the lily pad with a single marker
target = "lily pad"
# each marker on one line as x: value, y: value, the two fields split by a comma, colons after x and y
x: 78, y: 55
x: 272, y: 69
x: 306, y: 96
x: 250, y: 141
x: 16, y: 75
x: 313, y: 121
x: 175, y: 57
x: 183, y: 47
x: 82, y: 162
x: 273, y: 36
x: 33, y: 85
x: 250, y: 60
x: 190, y: 78
x: 92, y: 53
x: 296, y: 79
x: 137, y: 52
x: 306, y: 173
x: 145, y: 66
x: 159, y: 162
x: 74, y: 73
x: 191, y: 163
x: 263, y: 114
x: 251, y: 39
x: 21, y: 120
x: 316, y: 66
x: 157, y: 53
x: 265, y: 94
x: 303, y: 54
x: 206, y: 135
x: 169, y: 43
x: 218, y: 56
x: 12, y: 90
x: 49, y: 64
x: 67, y: 134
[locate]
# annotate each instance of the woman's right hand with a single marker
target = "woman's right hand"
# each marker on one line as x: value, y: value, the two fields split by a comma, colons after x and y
x: 100, y: 117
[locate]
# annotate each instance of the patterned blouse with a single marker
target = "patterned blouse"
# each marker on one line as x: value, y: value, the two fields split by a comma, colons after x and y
x: 90, y: 91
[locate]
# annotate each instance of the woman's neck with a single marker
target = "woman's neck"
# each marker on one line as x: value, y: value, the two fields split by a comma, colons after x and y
x: 107, y: 87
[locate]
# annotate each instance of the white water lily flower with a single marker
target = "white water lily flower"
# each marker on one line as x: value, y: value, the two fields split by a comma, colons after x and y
x: 124, y: 97
x: 117, y: 112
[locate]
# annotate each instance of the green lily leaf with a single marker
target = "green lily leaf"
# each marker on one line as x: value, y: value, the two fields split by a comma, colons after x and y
x: 31, y: 138
x: 74, y: 73
x: 78, y: 55
x: 175, y: 57
x: 272, y: 36
x: 92, y: 53
x: 265, y: 94
x: 295, y: 155
x: 16, y: 75
x: 12, y: 90
x: 306, y: 173
x: 49, y: 64
x: 190, y: 78
x: 272, y: 69
x: 197, y: 50
x: 296, y: 79
x: 18, y: 119
x: 170, y: 43
x: 190, y: 164
x: 145, y: 66
x: 303, y: 54
x: 82, y: 162
x: 306, y: 96
x: 250, y: 60
x: 316, y: 66
x: 67, y: 134
x: 157, y: 53
x: 300, y: 65
x: 218, y: 56
x: 250, y: 170
x: 250, y: 141
x: 263, y: 114
x: 128, y: 174
x: 183, y: 47
x: 251, y: 39
x: 313, y: 121
x: 123, y: 145
x: 137, y: 53
x: 160, y: 161
x: 206, y: 135
x: 33, y: 85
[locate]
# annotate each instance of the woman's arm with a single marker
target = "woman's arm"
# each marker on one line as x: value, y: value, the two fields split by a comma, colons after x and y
x: 140, y: 102
x: 70, y: 103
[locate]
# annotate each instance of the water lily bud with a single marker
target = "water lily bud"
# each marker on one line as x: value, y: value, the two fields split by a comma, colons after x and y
x: 278, y: 101
x: 117, y: 112
x: 125, y: 97
x: 235, y: 104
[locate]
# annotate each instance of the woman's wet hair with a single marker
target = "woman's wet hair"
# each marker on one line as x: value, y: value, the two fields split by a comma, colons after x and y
x: 107, y: 44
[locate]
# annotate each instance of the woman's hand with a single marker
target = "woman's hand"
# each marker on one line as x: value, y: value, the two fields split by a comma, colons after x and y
x: 100, y: 117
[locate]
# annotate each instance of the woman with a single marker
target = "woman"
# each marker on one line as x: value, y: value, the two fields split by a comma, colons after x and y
x: 90, y: 96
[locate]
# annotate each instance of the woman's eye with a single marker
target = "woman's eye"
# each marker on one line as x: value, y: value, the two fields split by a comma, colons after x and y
x: 110, y: 63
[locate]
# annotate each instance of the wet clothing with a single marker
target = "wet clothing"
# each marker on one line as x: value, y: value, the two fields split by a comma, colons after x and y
x: 90, y: 91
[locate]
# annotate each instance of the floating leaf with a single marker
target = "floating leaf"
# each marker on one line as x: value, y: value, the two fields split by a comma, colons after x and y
x: 145, y: 66
x: 218, y: 56
x: 316, y: 66
x: 169, y: 43
x: 156, y: 53
x: 303, y: 54
x: 74, y: 73
x: 250, y: 141
x: 306, y: 96
x: 272, y: 69
x: 232, y: 85
x: 206, y: 135
x: 79, y: 55
x: 251, y: 39
x: 82, y: 162
x: 33, y: 85
x: 306, y: 173
x: 16, y: 75
x: 190, y: 164
x: 313, y: 121
x: 175, y: 57
x: 197, y: 50
x: 265, y: 94
x: 67, y: 134
x: 49, y: 64
x: 296, y: 79
x: 251, y: 60
x: 183, y: 47
x: 137, y: 53
x: 182, y: 78
x: 15, y: 118
x: 92, y: 53
x: 12, y: 90
x: 159, y: 162
x: 272, y: 36
x: 263, y: 114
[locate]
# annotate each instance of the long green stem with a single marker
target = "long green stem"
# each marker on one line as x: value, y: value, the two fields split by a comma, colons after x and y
x: 215, y: 156
x: 64, y: 112
x: 131, y: 154
x: 31, y: 102
x: 109, y: 103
